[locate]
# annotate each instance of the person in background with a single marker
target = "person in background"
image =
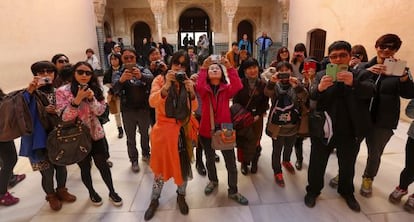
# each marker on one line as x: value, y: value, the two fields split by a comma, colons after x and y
x: 92, y: 59
x: 83, y: 99
x: 215, y: 92
x: 193, y: 60
x: 59, y: 60
x: 283, y: 55
x: 108, y: 46
x: 263, y: 43
x: 116, y: 63
x: 133, y: 82
x: 116, y: 50
x: 359, y: 54
x: 233, y: 55
x: 252, y: 98
x: 121, y: 43
x: 299, y: 55
x: 244, y: 44
x: 168, y: 48
x: 8, y: 157
x: 34, y: 146
x: 407, y: 174
x: 168, y: 145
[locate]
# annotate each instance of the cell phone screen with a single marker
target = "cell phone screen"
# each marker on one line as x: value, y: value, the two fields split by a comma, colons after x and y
x: 331, y: 70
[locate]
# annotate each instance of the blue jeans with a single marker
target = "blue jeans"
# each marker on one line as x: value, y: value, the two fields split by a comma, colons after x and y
x: 263, y: 57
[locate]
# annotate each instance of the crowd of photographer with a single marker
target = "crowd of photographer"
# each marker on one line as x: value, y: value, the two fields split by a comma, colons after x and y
x: 216, y: 105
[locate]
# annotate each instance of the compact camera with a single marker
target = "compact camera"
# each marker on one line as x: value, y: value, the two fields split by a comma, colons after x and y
x: 283, y: 76
x: 180, y: 76
x: 44, y: 81
x: 158, y: 64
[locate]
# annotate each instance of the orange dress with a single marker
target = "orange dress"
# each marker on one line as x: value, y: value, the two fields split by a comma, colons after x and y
x: 165, y: 160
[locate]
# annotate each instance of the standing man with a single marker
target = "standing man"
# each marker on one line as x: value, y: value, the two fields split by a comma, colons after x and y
x: 108, y: 46
x: 233, y: 55
x: 343, y: 105
x: 133, y: 83
x: 263, y: 43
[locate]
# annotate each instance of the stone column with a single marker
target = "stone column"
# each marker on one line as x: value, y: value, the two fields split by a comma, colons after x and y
x: 158, y: 8
x: 99, y: 6
x: 284, y: 8
x: 230, y: 8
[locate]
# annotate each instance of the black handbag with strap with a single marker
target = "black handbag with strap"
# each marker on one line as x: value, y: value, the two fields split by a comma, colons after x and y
x: 69, y: 142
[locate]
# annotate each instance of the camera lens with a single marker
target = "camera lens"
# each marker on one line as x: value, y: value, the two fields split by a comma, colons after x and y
x: 180, y: 76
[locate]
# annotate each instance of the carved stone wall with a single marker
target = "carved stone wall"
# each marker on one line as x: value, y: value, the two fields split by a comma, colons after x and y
x: 251, y: 14
x: 133, y: 15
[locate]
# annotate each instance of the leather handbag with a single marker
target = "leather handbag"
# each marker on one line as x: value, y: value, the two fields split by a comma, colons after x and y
x: 304, y: 122
x: 222, y: 139
x: 241, y: 117
x: 68, y: 143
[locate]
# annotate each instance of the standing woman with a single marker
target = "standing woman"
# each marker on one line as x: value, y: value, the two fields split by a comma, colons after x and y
x: 83, y: 98
x: 167, y: 134
x: 216, y: 92
x: 60, y: 60
x: 299, y: 56
x: 34, y: 146
x: 8, y: 156
x: 253, y: 99
x: 114, y: 101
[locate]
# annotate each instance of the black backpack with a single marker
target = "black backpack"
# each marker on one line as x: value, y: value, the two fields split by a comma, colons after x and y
x: 176, y: 103
x: 285, y: 111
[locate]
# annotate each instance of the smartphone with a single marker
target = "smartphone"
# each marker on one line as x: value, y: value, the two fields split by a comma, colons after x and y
x: 309, y: 65
x: 84, y: 86
x: 129, y: 66
x: 227, y: 126
x: 215, y: 58
x: 331, y: 70
x: 342, y: 67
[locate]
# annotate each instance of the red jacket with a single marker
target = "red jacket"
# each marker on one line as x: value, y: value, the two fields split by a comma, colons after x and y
x: 220, y: 101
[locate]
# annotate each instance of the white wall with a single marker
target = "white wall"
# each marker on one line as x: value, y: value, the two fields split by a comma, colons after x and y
x: 34, y: 30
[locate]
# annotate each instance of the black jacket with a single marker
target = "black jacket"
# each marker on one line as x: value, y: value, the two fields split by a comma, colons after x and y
x: 347, y: 106
x: 134, y: 96
x: 385, y: 111
x: 259, y: 102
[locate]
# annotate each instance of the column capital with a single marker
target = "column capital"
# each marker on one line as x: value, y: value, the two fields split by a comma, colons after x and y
x: 230, y: 7
x: 99, y: 8
x: 158, y: 7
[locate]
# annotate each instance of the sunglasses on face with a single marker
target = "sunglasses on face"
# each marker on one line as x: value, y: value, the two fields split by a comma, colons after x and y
x: 179, y: 64
x: 83, y: 72
x: 129, y: 57
x: 63, y: 61
x: 387, y: 46
x: 356, y: 56
x: 340, y: 55
x: 45, y: 71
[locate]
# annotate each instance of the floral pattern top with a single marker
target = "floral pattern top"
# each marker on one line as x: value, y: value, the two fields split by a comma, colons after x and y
x: 87, y: 111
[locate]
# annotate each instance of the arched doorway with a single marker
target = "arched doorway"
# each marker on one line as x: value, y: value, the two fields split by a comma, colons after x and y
x: 107, y: 29
x: 141, y: 30
x: 245, y: 27
x: 317, y: 41
x: 193, y: 23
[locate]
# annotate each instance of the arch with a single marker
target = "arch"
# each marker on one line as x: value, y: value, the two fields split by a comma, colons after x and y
x: 139, y: 31
x: 193, y: 23
x: 245, y: 27
x: 317, y: 42
x: 107, y: 29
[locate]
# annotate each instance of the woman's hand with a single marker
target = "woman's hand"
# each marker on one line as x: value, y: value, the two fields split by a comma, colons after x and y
x: 226, y: 63
x: 83, y: 93
x: 294, y: 81
x: 325, y: 83
x: 378, y: 69
x: 207, y: 62
x: 50, y: 109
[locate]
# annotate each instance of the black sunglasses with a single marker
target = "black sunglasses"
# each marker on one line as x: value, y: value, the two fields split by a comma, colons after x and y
x: 82, y: 72
x: 45, y: 71
x: 63, y: 61
x: 387, y: 46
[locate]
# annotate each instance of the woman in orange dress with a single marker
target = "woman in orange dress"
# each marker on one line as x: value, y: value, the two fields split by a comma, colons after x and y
x: 166, y: 135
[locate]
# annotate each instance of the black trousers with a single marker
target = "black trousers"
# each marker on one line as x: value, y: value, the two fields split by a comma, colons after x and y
x: 9, y: 157
x: 347, y: 151
x: 407, y: 174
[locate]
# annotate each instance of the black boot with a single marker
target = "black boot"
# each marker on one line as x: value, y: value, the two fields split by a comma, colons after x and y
x: 182, y: 204
x: 244, y: 168
x: 199, y: 161
x: 120, y: 132
x: 149, y: 213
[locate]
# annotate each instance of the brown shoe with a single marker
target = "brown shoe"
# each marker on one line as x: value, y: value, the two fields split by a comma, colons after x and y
x: 182, y: 204
x: 63, y: 195
x: 54, y: 202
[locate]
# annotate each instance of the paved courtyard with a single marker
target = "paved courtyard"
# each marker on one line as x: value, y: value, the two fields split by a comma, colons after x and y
x: 268, y: 202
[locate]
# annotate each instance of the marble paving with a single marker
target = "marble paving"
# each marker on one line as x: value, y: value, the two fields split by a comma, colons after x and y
x: 268, y: 202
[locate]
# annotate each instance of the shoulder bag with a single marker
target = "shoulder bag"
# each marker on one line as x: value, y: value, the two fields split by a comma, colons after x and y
x: 222, y: 139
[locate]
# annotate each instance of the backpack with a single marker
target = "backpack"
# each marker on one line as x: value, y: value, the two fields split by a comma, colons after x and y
x: 16, y: 119
x: 285, y: 111
x: 176, y: 103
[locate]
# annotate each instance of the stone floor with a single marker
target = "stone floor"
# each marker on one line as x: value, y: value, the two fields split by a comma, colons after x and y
x: 268, y: 202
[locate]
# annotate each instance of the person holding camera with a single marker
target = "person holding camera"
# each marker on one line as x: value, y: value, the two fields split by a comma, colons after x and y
x: 341, y: 119
x: 132, y: 83
x: 167, y: 137
x: 215, y: 93
x: 286, y: 94
x: 299, y: 55
x: 34, y: 146
x: 384, y: 105
x: 83, y: 99
x: 359, y: 55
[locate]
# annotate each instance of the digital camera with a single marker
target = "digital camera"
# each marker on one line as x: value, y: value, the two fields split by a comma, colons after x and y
x: 180, y: 76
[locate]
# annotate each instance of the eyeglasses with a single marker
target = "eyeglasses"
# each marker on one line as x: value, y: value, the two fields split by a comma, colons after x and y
x: 83, y: 72
x: 129, y: 57
x: 340, y: 55
x: 45, y: 71
x: 63, y: 61
x: 387, y: 46
x: 179, y: 64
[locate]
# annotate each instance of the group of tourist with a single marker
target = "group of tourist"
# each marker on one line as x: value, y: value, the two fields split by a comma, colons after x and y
x: 337, y: 103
